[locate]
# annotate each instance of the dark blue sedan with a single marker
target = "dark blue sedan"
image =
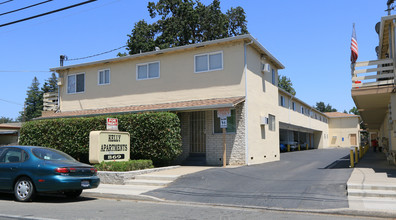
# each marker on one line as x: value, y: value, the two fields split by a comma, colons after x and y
x: 27, y: 170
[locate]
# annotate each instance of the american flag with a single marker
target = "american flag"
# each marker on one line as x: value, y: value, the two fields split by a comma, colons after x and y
x: 354, y: 46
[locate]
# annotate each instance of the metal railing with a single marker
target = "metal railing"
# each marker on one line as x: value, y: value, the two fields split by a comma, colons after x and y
x: 382, y: 74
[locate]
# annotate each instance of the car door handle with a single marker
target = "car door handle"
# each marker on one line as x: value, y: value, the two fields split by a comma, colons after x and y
x: 13, y: 168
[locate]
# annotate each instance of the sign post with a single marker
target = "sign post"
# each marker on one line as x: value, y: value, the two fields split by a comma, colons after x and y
x: 223, y: 114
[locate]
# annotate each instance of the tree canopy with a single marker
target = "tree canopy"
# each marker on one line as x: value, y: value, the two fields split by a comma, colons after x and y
x: 33, y: 102
x: 6, y: 120
x: 286, y: 84
x: 51, y: 84
x: 320, y: 106
x: 184, y: 22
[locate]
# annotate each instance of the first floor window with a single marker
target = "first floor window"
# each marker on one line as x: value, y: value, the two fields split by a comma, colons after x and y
x: 76, y: 83
x: 231, y: 123
x: 104, y: 77
x: 148, y: 70
x: 271, y: 122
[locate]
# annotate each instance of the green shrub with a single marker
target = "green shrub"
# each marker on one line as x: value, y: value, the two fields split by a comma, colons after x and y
x: 124, y: 165
x: 154, y: 136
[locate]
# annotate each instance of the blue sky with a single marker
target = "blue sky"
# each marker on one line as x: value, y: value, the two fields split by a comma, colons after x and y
x: 311, y: 38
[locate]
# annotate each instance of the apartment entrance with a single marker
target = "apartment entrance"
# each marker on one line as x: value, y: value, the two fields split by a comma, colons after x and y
x: 198, y: 136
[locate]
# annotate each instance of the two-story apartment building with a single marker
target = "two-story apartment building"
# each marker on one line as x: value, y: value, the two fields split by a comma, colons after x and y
x: 195, y: 81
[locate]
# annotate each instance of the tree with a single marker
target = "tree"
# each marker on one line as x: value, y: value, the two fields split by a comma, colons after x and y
x: 33, y: 102
x: 286, y: 84
x: 354, y: 111
x: 320, y: 106
x: 5, y: 120
x: 51, y: 84
x: 184, y: 22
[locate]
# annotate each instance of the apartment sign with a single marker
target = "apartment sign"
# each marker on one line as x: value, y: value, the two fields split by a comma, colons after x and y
x: 112, y: 124
x: 223, y: 112
x: 109, y: 146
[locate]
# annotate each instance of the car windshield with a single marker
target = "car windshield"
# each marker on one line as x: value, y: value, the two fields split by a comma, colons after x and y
x: 50, y: 154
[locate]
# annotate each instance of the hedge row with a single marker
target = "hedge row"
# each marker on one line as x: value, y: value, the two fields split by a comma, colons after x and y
x: 154, y: 136
x: 125, y: 165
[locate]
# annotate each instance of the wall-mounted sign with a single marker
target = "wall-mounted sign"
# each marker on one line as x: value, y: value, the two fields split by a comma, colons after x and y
x: 112, y: 124
x: 108, y: 146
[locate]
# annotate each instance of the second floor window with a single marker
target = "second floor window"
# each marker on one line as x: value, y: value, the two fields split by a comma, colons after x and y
x: 76, y: 83
x: 273, y: 77
x: 208, y: 62
x: 282, y: 100
x: 148, y: 70
x: 104, y: 77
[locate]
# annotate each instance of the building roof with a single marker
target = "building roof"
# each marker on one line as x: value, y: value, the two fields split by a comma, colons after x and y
x: 247, y: 37
x: 174, y: 106
x: 340, y: 115
x: 11, y: 125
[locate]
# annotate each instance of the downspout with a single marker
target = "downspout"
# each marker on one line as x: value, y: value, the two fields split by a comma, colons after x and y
x: 246, y: 105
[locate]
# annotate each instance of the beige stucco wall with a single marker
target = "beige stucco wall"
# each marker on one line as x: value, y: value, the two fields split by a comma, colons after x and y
x: 263, y: 144
x: 177, y: 81
x: 307, y: 122
x: 343, y: 128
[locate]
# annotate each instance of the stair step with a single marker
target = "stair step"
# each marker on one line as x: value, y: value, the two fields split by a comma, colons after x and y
x: 157, y: 177
x: 372, y: 193
x: 147, y: 182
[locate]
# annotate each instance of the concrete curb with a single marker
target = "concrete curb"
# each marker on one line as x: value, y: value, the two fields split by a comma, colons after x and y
x: 119, y: 196
x: 110, y: 177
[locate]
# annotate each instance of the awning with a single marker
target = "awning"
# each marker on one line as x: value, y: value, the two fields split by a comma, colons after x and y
x: 205, y: 104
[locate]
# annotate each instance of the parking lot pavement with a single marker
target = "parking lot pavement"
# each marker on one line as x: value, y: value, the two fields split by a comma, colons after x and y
x: 300, y: 180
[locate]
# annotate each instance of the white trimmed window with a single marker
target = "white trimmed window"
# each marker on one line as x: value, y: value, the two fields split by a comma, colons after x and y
x: 148, y: 70
x: 271, y: 122
x: 282, y: 101
x: 302, y: 109
x: 273, y: 77
x: 293, y: 106
x: 104, y: 77
x: 208, y: 62
x: 76, y: 83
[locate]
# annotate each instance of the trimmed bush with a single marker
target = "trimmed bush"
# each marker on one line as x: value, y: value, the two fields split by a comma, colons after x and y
x: 122, y: 166
x: 154, y: 136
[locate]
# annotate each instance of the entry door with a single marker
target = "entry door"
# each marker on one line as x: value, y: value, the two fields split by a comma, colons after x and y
x: 353, y: 141
x: 198, y: 137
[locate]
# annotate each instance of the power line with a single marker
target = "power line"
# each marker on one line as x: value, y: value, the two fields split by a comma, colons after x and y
x: 47, y: 13
x: 30, y: 6
x: 24, y: 71
x: 6, y: 2
x: 67, y: 59
x: 15, y: 103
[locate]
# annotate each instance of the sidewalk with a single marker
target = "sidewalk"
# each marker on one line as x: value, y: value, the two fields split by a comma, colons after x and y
x: 136, y: 192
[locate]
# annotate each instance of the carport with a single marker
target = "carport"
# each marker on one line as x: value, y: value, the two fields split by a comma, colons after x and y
x: 9, y: 133
x: 294, y: 135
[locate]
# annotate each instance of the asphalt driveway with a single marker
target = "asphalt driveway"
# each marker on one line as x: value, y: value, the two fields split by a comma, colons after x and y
x: 314, y: 179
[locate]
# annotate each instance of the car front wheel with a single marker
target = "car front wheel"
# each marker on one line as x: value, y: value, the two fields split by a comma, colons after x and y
x: 24, y: 190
